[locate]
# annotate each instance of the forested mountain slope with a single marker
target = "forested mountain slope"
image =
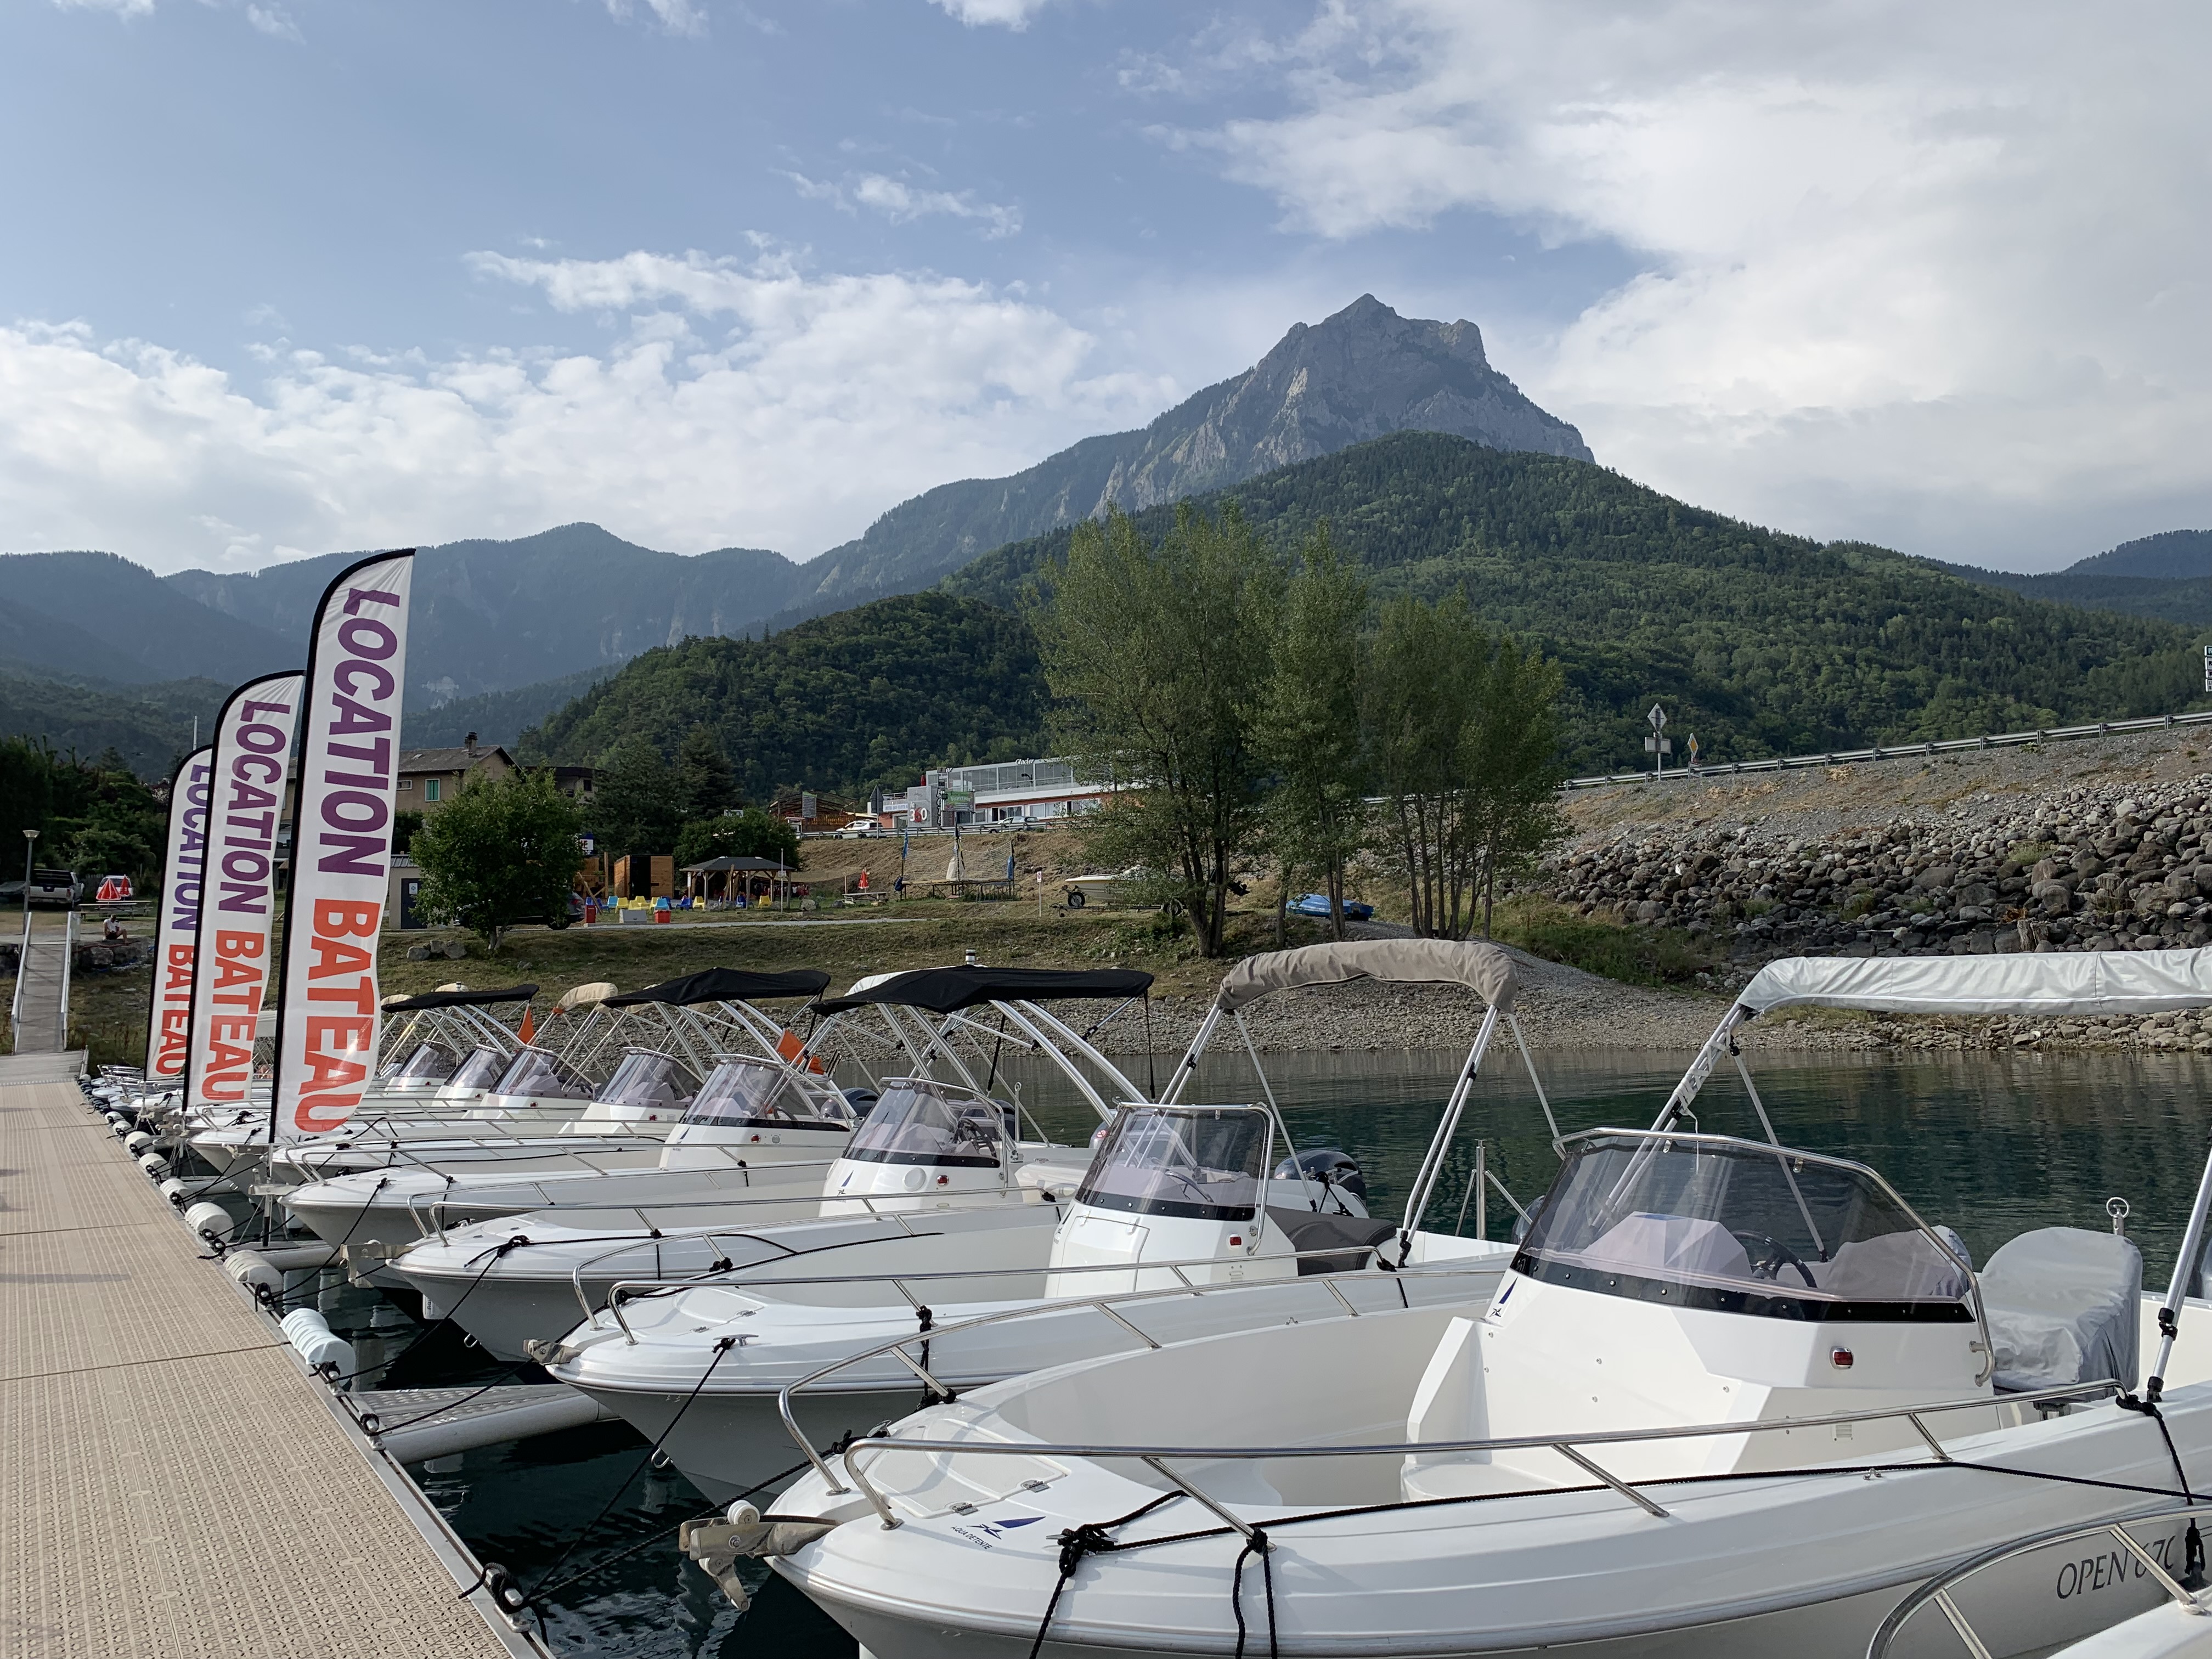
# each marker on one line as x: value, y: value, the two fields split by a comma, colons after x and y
x: 839, y: 703
x: 1760, y: 643
x: 2168, y: 576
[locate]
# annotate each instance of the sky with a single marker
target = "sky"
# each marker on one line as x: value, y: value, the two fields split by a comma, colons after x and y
x: 284, y: 276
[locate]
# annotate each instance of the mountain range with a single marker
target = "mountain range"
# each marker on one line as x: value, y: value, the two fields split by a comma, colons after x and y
x: 96, y: 650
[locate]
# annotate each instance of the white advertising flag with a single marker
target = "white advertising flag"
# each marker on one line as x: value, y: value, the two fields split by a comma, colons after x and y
x: 177, y: 929
x: 238, y: 903
x: 327, y: 1015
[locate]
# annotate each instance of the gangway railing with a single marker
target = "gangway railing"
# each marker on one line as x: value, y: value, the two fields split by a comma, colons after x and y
x: 1937, y: 1592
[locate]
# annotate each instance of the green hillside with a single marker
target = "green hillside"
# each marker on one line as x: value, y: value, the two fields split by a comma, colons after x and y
x: 840, y: 703
x: 150, y: 726
x: 1759, y: 642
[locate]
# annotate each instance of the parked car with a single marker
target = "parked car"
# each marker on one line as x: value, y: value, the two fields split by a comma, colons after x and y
x: 1316, y: 904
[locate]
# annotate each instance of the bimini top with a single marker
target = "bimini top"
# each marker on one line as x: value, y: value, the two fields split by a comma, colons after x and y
x: 726, y: 985
x: 459, y: 997
x: 585, y: 996
x: 2052, y: 983
x: 948, y: 990
x: 1483, y: 968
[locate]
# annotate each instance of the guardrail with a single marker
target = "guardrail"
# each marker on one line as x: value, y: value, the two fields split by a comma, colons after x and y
x: 1945, y: 747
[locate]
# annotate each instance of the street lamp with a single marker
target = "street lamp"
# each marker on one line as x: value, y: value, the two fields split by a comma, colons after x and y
x: 30, y: 845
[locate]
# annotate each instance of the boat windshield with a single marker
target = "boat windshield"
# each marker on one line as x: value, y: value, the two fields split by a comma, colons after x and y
x: 479, y: 1071
x: 1203, y: 1161
x: 649, y: 1082
x: 534, y: 1072
x: 1700, y: 1222
x: 920, y: 1120
x: 750, y: 1094
x: 427, y: 1064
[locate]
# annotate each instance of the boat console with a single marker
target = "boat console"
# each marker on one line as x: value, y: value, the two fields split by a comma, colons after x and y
x: 761, y: 1113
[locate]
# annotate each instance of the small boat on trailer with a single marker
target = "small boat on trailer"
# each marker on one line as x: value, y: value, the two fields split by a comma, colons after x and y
x: 1732, y: 1400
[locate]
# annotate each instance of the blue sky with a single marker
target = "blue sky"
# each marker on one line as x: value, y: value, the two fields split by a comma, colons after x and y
x: 282, y: 278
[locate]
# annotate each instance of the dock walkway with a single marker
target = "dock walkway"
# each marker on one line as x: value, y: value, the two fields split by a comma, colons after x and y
x: 39, y: 1008
x: 171, y: 1483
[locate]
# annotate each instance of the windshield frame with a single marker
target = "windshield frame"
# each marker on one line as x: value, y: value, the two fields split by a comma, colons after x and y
x: 567, y: 1075
x: 965, y: 1103
x: 1146, y: 1117
x: 1778, y: 1299
x: 404, y: 1073
x: 496, y: 1061
x: 785, y: 1093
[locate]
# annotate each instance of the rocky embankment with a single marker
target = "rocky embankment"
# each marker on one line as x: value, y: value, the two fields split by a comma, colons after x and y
x: 2115, y: 863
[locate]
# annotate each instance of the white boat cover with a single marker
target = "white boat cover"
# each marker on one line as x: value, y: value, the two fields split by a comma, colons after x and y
x: 2050, y: 983
x: 583, y: 996
x: 2064, y: 1307
x: 1483, y: 968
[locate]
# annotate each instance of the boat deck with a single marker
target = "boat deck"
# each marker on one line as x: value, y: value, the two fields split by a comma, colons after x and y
x: 171, y: 1482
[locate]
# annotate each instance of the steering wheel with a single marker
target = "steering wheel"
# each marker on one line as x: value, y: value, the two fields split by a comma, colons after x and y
x: 1776, y: 1256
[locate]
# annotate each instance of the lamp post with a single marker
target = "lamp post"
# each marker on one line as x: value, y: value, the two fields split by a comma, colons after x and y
x: 30, y: 845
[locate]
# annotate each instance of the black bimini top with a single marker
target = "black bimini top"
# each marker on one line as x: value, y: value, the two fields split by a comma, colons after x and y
x: 726, y: 985
x: 457, y: 998
x: 948, y: 990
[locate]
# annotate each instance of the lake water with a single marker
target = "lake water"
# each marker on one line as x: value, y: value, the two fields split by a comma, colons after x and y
x: 1989, y: 1145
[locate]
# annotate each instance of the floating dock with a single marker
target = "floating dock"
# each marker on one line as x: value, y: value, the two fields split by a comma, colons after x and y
x: 174, y: 1484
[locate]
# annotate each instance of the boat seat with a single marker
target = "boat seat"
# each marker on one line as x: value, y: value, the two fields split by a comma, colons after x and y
x: 1309, y: 1229
x: 2063, y: 1304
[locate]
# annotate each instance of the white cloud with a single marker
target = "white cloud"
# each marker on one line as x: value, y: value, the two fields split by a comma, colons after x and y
x: 741, y: 402
x: 1009, y: 14
x: 273, y: 21
x: 1936, y: 274
x: 120, y: 7
x: 677, y: 16
x: 901, y: 203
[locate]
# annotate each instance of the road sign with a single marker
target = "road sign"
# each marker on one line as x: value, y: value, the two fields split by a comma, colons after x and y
x: 1658, y: 715
x: 2208, y: 670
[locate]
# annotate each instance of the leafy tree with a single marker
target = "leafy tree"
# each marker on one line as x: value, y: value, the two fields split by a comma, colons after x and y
x: 635, y: 806
x: 706, y: 783
x: 1421, y: 698
x: 503, y: 850
x: 404, y: 826
x: 1509, y: 813
x: 1160, y: 657
x: 1309, y: 727
x: 751, y: 834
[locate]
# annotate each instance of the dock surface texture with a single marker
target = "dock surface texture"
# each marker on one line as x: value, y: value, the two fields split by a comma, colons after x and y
x: 43, y: 976
x: 171, y: 1484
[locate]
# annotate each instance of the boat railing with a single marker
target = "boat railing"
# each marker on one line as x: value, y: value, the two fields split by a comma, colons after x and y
x: 738, y: 1280
x: 438, y: 1207
x: 1936, y: 1591
x: 1572, y: 1447
x: 429, y: 1210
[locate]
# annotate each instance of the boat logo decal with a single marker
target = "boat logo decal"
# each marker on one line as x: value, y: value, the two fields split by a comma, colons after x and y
x: 985, y: 1534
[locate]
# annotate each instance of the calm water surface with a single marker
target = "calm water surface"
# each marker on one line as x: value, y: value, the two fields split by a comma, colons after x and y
x: 1991, y: 1145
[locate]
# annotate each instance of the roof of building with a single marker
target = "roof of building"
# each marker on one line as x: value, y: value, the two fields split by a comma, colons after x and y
x: 450, y: 760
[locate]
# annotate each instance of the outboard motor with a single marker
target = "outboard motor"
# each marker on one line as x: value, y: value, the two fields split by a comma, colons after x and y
x: 1326, y: 1166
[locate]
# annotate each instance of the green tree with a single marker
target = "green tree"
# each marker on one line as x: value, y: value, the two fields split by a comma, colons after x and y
x: 751, y: 834
x: 502, y: 851
x: 636, y: 809
x: 706, y: 782
x: 1510, y: 814
x: 1420, y: 699
x: 1160, y: 658
x: 1310, y: 725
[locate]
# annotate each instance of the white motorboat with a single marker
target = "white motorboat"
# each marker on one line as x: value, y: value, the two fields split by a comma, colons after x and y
x: 1732, y: 1400
x: 927, y: 1145
x: 646, y: 1121
x: 1176, y: 1198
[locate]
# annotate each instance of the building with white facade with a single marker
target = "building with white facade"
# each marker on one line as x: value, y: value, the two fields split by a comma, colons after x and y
x: 1004, y: 792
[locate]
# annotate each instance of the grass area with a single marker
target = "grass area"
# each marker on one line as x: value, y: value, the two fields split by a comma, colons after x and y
x: 1634, y: 956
